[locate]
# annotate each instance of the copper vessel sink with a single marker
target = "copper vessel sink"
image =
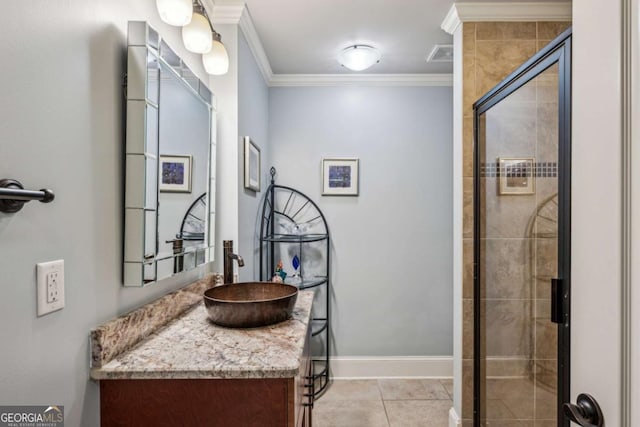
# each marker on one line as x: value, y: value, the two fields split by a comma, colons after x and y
x: 250, y: 304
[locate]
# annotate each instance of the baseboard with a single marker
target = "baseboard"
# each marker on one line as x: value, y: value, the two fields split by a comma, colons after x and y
x: 454, y: 419
x: 392, y: 367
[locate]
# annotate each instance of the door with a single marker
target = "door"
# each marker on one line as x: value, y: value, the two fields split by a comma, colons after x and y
x: 522, y: 244
x: 600, y: 354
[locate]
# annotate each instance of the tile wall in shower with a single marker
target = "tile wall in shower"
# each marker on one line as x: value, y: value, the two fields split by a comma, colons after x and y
x: 516, y: 295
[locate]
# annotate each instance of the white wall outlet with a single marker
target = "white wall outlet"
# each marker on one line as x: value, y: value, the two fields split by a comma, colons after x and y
x: 50, y: 284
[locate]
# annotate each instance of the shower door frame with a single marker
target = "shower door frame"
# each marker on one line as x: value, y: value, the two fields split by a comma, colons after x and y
x: 558, y: 51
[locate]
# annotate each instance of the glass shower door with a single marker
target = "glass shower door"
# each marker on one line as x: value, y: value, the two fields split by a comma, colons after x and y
x: 521, y: 234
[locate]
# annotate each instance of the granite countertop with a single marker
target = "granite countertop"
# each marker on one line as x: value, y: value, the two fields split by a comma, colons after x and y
x: 193, y: 347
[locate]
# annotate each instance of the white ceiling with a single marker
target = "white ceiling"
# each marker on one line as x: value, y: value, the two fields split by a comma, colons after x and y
x: 305, y: 36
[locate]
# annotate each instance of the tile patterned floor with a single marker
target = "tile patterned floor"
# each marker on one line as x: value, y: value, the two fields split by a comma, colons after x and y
x: 519, y: 402
x: 385, y: 403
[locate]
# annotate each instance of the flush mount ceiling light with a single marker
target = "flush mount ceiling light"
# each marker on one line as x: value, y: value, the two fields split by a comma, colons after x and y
x: 175, y: 12
x: 359, y: 57
x: 216, y: 61
x: 197, y: 35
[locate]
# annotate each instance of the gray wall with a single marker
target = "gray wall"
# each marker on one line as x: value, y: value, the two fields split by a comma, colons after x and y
x: 253, y: 114
x: 391, y: 246
x: 62, y: 127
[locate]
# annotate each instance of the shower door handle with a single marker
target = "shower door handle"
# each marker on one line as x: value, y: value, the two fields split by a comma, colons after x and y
x: 557, y: 300
x: 586, y: 412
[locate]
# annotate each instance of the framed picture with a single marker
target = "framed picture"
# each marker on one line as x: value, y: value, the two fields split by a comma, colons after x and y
x: 340, y: 177
x: 251, y: 165
x: 516, y: 175
x: 175, y: 173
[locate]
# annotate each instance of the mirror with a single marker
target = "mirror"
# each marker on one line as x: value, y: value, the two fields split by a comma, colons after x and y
x: 170, y: 163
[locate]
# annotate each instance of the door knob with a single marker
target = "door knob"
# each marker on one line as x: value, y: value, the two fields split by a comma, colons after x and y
x: 586, y: 412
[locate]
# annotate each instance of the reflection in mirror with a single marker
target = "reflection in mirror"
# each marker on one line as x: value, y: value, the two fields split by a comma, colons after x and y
x: 170, y: 163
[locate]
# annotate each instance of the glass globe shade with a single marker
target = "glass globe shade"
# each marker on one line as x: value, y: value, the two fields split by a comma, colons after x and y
x: 359, y: 57
x: 216, y: 61
x: 175, y: 12
x: 196, y: 35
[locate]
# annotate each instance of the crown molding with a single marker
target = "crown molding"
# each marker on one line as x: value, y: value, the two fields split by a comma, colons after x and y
x: 227, y: 13
x: 361, y: 80
x: 452, y: 21
x: 238, y: 14
x: 255, y: 45
x: 504, y: 12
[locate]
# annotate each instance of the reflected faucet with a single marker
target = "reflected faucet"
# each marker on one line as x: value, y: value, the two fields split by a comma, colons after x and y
x: 228, y: 257
x: 178, y: 256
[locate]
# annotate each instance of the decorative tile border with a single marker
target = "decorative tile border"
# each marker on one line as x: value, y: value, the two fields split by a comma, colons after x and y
x: 120, y: 334
x: 538, y: 170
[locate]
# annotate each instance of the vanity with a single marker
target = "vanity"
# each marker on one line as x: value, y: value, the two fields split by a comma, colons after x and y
x: 166, y: 363
x: 190, y: 372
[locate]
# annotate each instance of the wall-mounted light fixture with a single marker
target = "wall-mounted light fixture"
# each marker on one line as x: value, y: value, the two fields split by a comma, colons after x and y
x: 216, y: 61
x: 198, y: 34
x: 359, y: 57
x: 175, y: 12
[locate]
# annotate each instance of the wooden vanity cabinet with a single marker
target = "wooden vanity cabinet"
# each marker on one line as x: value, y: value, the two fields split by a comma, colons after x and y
x: 260, y: 402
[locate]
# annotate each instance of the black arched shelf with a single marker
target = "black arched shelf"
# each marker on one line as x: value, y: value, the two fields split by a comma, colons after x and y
x: 293, y: 226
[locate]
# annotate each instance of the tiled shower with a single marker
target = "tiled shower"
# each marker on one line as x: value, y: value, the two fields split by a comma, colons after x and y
x: 518, y: 227
x: 519, y: 252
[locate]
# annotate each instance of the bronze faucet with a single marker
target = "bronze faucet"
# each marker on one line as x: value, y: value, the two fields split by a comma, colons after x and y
x: 228, y: 257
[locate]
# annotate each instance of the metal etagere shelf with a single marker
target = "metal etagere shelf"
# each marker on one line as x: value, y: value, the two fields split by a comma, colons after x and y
x: 293, y: 225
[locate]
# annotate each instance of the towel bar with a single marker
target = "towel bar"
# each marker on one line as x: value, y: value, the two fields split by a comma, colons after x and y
x: 13, y: 196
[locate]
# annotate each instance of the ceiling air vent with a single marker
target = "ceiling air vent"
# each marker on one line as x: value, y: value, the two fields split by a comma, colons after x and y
x: 441, y: 53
